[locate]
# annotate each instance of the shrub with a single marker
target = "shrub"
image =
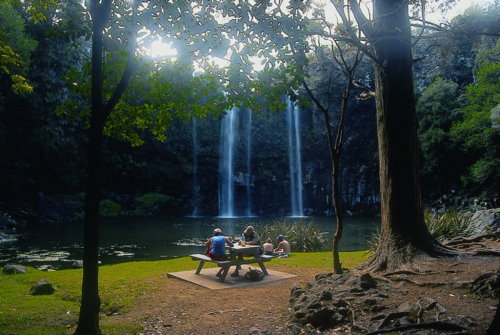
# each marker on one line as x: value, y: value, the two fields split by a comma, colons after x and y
x: 150, y: 203
x: 303, y: 237
x: 109, y: 208
x: 448, y: 225
x: 444, y: 226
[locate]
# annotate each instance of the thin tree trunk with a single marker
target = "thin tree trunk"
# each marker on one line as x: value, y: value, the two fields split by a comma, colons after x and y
x: 403, y: 231
x: 337, y: 266
x: 335, y: 156
x: 335, y: 147
x: 88, y: 322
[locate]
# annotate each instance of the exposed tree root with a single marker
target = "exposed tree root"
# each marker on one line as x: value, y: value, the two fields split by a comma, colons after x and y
x: 408, y: 280
x: 402, y: 272
x: 487, y: 252
x: 437, y: 325
x: 477, y: 238
x: 455, y: 264
x: 420, y: 313
x: 355, y: 325
x: 395, y: 252
x: 387, y: 280
x: 421, y: 273
x: 390, y: 317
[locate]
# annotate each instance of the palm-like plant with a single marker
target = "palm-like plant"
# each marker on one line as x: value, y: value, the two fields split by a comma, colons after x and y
x: 302, y: 236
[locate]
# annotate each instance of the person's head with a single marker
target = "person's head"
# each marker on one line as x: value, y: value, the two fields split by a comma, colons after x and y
x: 269, y: 240
x: 217, y: 232
x: 249, y: 231
x: 280, y: 238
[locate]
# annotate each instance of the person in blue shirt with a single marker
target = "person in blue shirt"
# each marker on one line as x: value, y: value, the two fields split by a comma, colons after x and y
x: 216, y: 246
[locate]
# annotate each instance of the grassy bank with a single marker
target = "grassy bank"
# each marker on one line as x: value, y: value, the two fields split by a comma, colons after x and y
x: 120, y: 285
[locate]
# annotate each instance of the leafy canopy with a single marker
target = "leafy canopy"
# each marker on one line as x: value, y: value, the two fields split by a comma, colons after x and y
x: 241, y: 33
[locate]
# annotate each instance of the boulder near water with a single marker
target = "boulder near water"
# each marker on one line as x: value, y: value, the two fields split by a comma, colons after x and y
x: 14, y: 269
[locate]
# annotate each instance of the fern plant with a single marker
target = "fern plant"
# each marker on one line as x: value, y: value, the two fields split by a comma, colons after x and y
x: 302, y: 236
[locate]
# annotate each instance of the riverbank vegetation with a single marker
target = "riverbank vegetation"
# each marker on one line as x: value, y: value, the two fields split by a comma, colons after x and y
x: 44, y: 151
x: 303, y: 236
x: 120, y: 285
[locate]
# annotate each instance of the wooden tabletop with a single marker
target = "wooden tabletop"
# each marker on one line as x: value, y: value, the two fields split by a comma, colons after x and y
x: 249, y: 249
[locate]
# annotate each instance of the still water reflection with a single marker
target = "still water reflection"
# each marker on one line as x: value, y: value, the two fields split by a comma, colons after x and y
x: 137, y: 239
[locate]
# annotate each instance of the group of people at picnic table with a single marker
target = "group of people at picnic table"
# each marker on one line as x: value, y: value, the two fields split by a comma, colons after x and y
x: 216, y: 245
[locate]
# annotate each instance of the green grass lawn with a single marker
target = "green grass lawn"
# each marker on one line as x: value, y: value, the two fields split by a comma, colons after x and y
x: 119, y: 287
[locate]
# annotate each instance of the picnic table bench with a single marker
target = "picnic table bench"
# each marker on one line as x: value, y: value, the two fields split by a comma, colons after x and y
x: 236, y: 255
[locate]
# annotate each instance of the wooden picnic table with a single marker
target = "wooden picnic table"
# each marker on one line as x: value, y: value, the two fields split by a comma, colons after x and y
x: 238, y: 255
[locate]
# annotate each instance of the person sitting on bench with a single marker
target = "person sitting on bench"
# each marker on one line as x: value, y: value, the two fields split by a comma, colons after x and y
x: 283, y: 249
x: 216, y: 246
x: 250, y: 237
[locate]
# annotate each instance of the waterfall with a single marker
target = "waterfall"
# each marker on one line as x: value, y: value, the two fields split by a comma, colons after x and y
x: 226, y: 171
x: 248, y: 179
x: 196, y: 186
x: 294, y: 154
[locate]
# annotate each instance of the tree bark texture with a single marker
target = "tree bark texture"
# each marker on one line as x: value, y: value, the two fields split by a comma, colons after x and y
x: 403, y: 231
x: 494, y: 327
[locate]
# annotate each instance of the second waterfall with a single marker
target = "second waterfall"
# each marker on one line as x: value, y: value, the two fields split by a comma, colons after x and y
x: 229, y: 140
x: 235, y: 162
x: 295, y: 158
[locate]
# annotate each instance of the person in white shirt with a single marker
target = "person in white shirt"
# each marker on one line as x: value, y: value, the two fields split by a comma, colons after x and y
x: 268, y: 247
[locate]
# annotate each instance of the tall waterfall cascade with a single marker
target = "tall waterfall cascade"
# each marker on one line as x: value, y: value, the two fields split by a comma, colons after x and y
x: 226, y: 163
x: 248, y: 177
x: 295, y: 160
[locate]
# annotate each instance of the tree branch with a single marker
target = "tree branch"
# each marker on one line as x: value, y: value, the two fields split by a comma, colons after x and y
x: 364, y: 24
x: 367, y: 92
x: 354, y: 39
x: 326, y: 117
x: 129, y: 68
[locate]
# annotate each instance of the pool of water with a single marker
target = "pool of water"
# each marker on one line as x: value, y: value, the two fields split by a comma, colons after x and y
x: 136, y: 239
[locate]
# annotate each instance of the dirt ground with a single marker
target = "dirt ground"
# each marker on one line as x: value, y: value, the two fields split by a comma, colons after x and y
x: 183, y: 308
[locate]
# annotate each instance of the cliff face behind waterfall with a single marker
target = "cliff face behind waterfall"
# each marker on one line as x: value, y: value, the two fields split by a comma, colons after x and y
x: 43, y: 156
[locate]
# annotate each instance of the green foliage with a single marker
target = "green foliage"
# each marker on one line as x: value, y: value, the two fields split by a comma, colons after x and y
x: 448, y: 225
x: 437, y: 107
x: 476, y: 129
x: 443, y: 226
x: 478, y: 132
x: 150, y: 203
x: 108, y: 208
x: 303, y: 237
x: 157, y: 94
x: 15, y: 48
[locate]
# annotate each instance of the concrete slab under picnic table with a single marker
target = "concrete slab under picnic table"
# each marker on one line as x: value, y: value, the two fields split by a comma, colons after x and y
x: 207, y: 278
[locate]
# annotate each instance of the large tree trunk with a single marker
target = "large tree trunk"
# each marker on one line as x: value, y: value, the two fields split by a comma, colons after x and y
x: 88, y: 322
x: 403, y: 231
